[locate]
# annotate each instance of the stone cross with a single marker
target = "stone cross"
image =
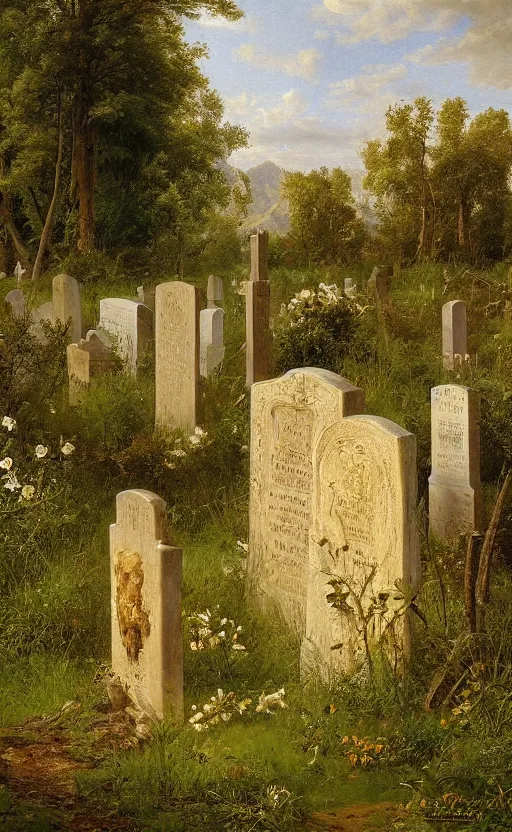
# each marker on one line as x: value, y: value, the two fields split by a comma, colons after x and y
x: 16, y: 302
x: 145, y: 572
x: 215, y: 291
x: 455, y: 490
x: 19, y: 271
x: 131, y: 325
x: 288, y: 416
x: 455, y: 346
x: 257, y: 313
x: 67, y: 304
x: 378, y: 284
x: 90, y: 357
x: 350, y: 287
x: 364, y: 550
x: 211, y: 340
x: 177, y: 307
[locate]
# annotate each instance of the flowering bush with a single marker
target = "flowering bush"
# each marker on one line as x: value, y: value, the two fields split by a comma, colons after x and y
x: 316, y: 328
x: 222, y: 707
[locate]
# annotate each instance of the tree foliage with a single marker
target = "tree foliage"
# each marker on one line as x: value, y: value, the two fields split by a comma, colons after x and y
x: 440, y: 181
x: 142, y: 131
x: 325, y: 227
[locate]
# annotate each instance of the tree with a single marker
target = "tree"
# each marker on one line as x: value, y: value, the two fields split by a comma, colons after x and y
x: 131, y: 95
x: 325, y: 227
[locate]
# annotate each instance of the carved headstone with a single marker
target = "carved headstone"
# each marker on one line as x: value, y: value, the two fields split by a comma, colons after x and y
x: 131, y: 324
x: 215, y: 291
x: 455, y: 490
x: 257, y: 313
x: 176, y: 355
x: 363, y: 544
x: 455, y: 345
x: 288, y: 415
x: 67, y: 305
x: 90, y: 357
x: 145, y: 571
x: 41, y: 313
x: 16, y: 301
x: 379, y: 284
x: 212, y: 340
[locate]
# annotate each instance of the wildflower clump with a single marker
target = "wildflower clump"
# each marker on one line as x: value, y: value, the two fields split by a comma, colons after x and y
x: 223, y: 706
x: 363, y: 753
x: 184, y: 447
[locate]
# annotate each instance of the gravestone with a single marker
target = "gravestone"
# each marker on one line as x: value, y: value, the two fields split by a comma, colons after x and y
x: 41, y: 313
x: 145, y: 572
x: 90, y: 357
x: 288, y: 415
x: 455, y: 346
x: 215, y: 291
x: 16, y: 301
x: 19, y: 271
x: 257, y: 313
x: 211, y: 340
x: 147, y: 297
x: 131, y: 324
x: 176, y: 355
x: 363, y: 541
x: 455, y: 490
x: 67, y: 304
x: 379, y: 284
x: 350, y: 287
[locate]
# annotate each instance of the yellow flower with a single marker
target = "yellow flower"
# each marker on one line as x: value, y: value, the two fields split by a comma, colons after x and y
x: 27, y: 492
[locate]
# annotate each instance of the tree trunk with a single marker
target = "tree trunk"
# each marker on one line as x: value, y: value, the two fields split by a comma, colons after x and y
x: 83, y: 172
x: 48, y: 225
x: 461, y: 225
x: 19, y: 247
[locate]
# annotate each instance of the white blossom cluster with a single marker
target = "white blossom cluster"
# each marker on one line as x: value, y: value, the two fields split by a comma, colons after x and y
x: 222, y: 707
x: 183, y: 447
x: 208, y: 631
x: 12, y: 483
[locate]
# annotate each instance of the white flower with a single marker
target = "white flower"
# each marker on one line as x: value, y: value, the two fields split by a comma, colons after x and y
x: 27, y: 492
x: 305, y: 294
x: 199, y: 715
x: 67, y: 449
x: 222, y: 634
x: 200, y: 432
x: 12, y: 483
x: 244, y: 547
x: 223, y: 622
x: 8, y: 423
x: 41, y: 451
x: 194, y: 440
x: 6, y: 463
x: 178, y: 452
x: 237, y: 647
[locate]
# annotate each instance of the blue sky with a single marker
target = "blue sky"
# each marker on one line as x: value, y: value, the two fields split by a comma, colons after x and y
x: 311, y: 79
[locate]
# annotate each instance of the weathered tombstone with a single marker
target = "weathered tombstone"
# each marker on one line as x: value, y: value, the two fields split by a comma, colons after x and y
x: 257, y: 313
x: 379, y: 284
x: 41, y: 313
x: 288, y: 415
x: 363, y: 544
x: 145, y: 571
x: 19, y: 271
x: 176, y: 355
x: 350, y: 287
x: 455, y: 490
x: 90, y: 357
x: 147, y: 297
x: 215, y: 291
x: 211, y: 327
x: 131, y: 324
x: 16, y: 301
x: 67, y: 304
x: 454, y: 334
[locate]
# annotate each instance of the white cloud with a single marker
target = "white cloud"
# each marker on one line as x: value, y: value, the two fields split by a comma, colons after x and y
x: 246, y: 25
x: 260, y: 115
x: 303, y: 64
x: 368, y: 86
x: 321, y: 34
x: 485, y: 44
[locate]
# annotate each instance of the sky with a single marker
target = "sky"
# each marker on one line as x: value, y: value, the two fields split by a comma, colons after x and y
x: 311, y: 79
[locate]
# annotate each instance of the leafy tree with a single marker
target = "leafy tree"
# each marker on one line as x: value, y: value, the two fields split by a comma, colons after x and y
x: 325, y: 227
x: 140, y: 128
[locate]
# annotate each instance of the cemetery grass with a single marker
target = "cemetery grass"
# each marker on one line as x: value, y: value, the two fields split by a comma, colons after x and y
x: 54, y: 605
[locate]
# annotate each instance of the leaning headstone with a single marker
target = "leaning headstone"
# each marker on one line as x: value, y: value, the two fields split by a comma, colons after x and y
x: 19, y: 271
x: 131, y: 324
x: 211, y: 340
x: 90, y: 357
x: 215, y: 291
x: 176, y: 355
x: 379, y: 284
x: 288, y: 415
x: 257, y: 313
x: 455, y: 490
x: 364, y: 551
x: 67, y: 304
x: 41, y: 313
x: 147, y: 297
x: 16, y: 301
x: 350, y: 287
x: 145, y: 571
x: 454, y: 334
